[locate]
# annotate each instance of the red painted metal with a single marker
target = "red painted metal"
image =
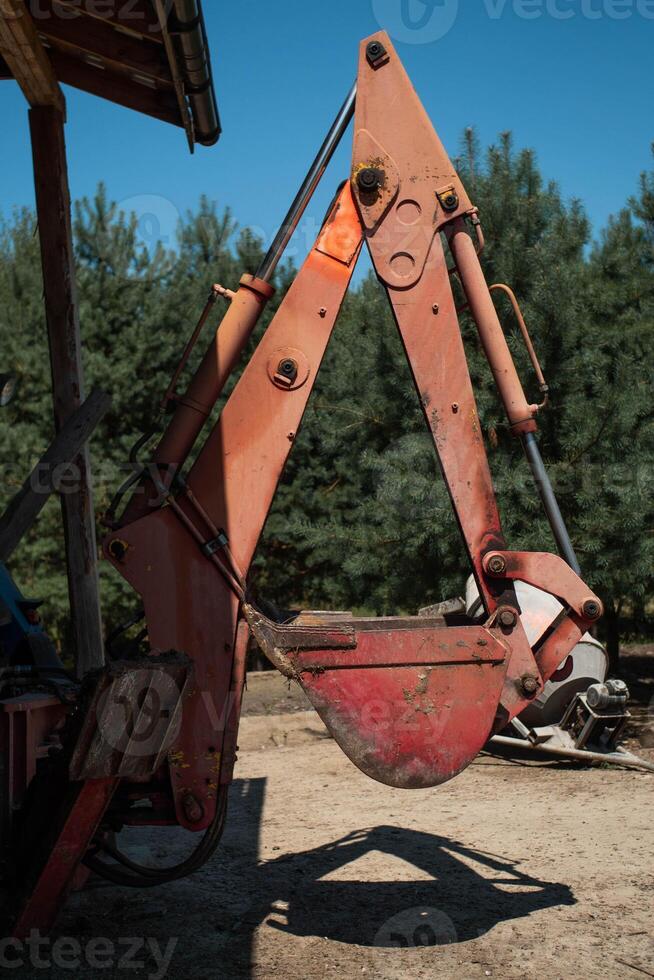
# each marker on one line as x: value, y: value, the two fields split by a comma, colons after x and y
x: 519, y: 412
x: 192, y: 600
x: 551, y: 574
x: 394, y: 134
x: 194, y: 407
x: 190, y: 605
x: 28, y: 726
x: 69, y: 842
x: 411, y: 701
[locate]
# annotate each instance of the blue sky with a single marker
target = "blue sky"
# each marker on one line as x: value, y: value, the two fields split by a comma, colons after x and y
x: 570, y: 78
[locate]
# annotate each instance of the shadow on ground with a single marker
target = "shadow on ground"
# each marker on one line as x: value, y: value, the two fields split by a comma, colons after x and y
x: 355, y: 911
x: 217, y: 913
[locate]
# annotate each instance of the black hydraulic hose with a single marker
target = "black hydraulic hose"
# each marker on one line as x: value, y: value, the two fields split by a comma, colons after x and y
x: 143, y: 877
x: 550, y: 503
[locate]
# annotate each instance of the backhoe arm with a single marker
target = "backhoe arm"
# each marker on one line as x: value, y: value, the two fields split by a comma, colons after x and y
x: 412, y: 699
x: 189, y: 560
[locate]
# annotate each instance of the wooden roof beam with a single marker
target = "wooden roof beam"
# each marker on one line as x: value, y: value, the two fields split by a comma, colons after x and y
x: 159, y: 101
x: 135, y: 17
x: 23, y: 52
x: 102, y: 38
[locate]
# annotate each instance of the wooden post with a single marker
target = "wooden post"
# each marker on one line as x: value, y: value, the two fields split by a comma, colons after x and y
x: 55, y: 234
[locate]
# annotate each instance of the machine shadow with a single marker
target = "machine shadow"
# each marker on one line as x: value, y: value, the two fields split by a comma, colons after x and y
x: 316, y: 892
x: 463, y: 892
x: 471, y: 890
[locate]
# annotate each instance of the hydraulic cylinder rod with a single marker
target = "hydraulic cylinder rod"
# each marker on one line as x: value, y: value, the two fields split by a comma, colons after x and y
x: 496, y: 348
x: 519, y: 412
x: 550, y: 503
x: 304, y: 195
x: 195, y: 406
x: 244, y: 312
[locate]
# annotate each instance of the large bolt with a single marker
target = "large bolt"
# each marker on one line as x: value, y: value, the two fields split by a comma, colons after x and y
x: 118, y: 549
x: 496, y: 565
x: 592, y: 609
x: 508, y: 618
x: 369, y: 180
x: 288, y: 368
x: 193, y: 809
x: 375, y: 52
x: 530, y: 684
x: 450, y: 201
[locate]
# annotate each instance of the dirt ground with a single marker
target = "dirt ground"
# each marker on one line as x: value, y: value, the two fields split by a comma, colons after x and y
x: 514, y: 869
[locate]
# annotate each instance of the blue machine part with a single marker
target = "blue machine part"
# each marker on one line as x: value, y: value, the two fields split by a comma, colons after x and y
x: 19, y: 621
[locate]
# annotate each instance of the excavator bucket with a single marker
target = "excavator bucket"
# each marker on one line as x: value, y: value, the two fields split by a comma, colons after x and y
x: 410, y: 701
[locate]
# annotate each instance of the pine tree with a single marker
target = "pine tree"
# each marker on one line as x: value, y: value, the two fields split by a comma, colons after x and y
x: 137, y: 310
x: 362, y: 519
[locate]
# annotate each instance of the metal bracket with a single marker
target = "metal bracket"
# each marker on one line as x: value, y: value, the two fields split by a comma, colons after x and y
x: 216, y: 544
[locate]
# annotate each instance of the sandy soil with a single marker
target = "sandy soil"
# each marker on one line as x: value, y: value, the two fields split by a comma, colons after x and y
x: 512, y: 870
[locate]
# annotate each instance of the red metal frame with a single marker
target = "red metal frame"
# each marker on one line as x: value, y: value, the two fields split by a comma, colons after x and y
x: 27, y: 731
x: 411, y: 702
x: 190, y: 604
x: 193, y: 603
x: 72, y: 831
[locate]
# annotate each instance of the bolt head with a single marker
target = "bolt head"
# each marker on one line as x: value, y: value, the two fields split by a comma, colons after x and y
x: 450, y: 201
x: 508, y: 618
x: 592, y: 609
x: 530, y: 684
x: 193, y: 809
x: 369, y: 179
x: 375, y: 51
x: 117, y: 549
x: 287, y: 368
x: 496, y: 565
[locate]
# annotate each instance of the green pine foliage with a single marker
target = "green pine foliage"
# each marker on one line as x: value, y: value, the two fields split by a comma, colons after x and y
x: 362, y: 519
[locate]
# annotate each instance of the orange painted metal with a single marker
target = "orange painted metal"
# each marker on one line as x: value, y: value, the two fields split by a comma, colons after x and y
x: 531, y: 350
x: 193, y: 597
x: 195, y: 406
x: 519, y: 412
x: 189, y: 604
x: 394, y: 135
x: 409, y: 259
x: 410, y: 700
x: 71, y: 837
x: 244, y: 456
x: 552, y: 574
x: 171, y: 391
